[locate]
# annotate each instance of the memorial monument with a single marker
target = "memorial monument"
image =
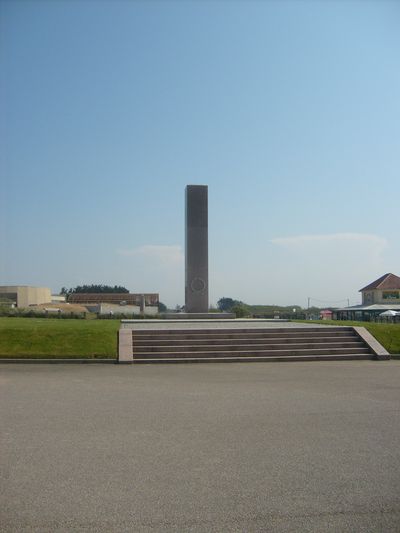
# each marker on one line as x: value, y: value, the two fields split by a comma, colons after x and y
x: 196, y: 259
x: 196, y: 249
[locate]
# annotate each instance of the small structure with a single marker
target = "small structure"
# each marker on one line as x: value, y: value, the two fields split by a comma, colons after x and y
x: 61, y: 308
x: 390, y: 313
x: 325, y: 314
x: 384, y: 290
x: 117, y: 303
x: 362, y: 312
x: 58, y: 298
x: 380, y: 296
x: 25, y: 295
x: 390, y: 316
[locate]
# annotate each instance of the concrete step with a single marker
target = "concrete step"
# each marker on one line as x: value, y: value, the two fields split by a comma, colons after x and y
x: 246, y: 344
x: 248, y: 341
x: 168, y: 332
x: 247, y: 347
x: 256, y: 359
x: 250, y: 353
x: 234, y: 336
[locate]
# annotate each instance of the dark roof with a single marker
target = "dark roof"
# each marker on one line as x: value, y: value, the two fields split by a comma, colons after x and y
x: 387, y: 281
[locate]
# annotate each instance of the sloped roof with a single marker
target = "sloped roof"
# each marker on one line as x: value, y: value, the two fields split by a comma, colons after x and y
x: 112, y: 297
x: 387, y: 281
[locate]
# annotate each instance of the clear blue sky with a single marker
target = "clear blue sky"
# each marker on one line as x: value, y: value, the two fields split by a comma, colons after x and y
x: 288, y: 111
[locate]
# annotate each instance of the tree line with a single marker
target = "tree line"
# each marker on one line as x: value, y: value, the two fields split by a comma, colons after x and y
x: 242, y: 309
x: 93, y: 289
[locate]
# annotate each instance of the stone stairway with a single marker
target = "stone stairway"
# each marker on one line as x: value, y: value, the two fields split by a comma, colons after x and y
x: 246, y: 344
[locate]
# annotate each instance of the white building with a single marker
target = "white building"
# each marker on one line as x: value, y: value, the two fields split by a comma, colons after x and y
x: 24, y: 295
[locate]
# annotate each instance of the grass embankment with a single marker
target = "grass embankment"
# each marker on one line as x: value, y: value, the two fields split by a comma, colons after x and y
x: 56, y: 338
x: 387, y: 334
x: 71, y: 338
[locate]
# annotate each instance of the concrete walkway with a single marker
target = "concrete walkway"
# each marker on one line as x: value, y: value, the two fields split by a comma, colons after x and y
x: 237, y: 323
x: 300, y: 447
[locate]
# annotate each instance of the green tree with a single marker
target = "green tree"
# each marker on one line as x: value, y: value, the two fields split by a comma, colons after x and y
x: 226, y: 304
x: 241, y: 310
x: 94, y: 289
x: 162, y: 308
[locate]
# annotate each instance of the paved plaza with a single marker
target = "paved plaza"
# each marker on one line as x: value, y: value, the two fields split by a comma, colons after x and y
x: 264, y: 447
x: 237, y: 323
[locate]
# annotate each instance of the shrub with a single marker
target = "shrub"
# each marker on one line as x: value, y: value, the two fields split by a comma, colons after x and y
x: 241, y: 310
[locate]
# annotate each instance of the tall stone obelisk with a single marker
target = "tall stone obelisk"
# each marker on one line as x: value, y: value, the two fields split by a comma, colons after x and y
x: 196, y: 249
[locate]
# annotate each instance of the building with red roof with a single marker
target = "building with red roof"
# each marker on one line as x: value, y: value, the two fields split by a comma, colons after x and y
x: 380, y: 296
x: 384, y: 290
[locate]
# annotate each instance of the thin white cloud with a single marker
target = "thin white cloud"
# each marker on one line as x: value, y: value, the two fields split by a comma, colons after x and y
x: 331, y: 266
x: 373, y: 241
x: 168, y: 255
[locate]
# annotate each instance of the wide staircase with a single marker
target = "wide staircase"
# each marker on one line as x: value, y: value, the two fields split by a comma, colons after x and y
x: 248, y: 344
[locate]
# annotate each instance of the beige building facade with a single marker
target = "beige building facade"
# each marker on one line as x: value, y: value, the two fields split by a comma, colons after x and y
x: 24, y: 295
x: 384, y: 290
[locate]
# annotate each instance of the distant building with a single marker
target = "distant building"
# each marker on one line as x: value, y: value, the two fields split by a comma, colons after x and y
x: 57, y: 298
x: 384, y: 290
x: 24, y: 295
x: 117, y: 303
x: 325, y: 314
x: 381, y: 295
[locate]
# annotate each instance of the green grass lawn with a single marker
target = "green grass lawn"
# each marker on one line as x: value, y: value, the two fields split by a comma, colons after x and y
x: 387, y: 334
x: 52, y: 337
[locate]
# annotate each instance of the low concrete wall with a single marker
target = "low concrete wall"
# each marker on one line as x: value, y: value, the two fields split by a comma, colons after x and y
x: 197, y: 316
x: 125, y: 347
x: 107, y: 309
x: 373, y: 344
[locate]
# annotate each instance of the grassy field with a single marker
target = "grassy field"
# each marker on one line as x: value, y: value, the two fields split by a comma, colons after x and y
x: 387, y: 334
x: 51, y: 337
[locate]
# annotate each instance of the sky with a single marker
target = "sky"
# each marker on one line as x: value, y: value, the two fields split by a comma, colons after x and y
x: 288, y: 110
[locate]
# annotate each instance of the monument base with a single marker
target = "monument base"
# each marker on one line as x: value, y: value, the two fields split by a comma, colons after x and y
x: 197, y: 316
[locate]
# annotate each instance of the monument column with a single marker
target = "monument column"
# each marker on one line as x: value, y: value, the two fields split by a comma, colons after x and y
x: 196, y: 249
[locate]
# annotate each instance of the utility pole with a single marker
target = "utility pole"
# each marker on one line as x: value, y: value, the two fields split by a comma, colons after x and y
x: 348, y: 302
x: 308, y: 303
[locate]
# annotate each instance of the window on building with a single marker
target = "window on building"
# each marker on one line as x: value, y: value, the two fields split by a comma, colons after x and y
x: 390, y: 295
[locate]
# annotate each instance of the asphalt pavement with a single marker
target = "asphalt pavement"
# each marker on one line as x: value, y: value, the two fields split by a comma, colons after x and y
x: 262, y: 447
